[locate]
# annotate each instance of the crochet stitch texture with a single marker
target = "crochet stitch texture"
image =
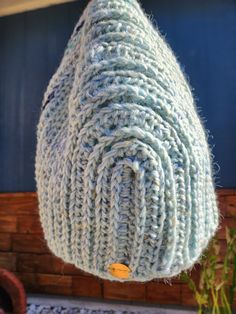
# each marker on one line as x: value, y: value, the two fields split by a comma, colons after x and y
x: 123, y: 167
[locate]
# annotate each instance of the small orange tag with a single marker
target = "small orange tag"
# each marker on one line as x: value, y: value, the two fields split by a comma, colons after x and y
x: 119, y: 270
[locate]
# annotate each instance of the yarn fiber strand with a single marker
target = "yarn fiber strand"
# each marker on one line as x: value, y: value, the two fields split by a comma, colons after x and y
x: 123, y: 168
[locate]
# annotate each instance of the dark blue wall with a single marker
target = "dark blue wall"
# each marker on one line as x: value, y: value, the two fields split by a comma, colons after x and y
x: 202, y: 34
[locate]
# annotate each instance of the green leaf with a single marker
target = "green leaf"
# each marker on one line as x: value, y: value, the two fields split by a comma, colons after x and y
x: 201, y: 299
x: 218, y: 287
x: 225, y: 303
x: 232, y: 288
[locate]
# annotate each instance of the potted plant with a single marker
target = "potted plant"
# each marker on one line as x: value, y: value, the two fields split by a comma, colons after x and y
x: 12, y: 293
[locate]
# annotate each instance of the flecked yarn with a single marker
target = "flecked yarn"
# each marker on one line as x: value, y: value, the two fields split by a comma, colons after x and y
x: 123, y: 167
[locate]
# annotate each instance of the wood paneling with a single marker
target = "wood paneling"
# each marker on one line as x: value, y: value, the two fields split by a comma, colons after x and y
x: 5, y: 242
x: 30, y: 224
x: 8, y: 7
x: 164, y: 293
x: 86, y: 287
x: 230, y: 206
x: 35, y: 263
x: 8, y: 224
x: 8, y: 261
x: 18, y: 204
x: 57, y: 284
x: 124, y: 291
x: 187, y: 298
x: 29, y: 281
x: 227, y: 221
x: 29, y: 243
x: 24, y: 251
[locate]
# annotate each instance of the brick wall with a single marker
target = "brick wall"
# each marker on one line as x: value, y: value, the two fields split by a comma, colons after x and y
x: 23, y: 251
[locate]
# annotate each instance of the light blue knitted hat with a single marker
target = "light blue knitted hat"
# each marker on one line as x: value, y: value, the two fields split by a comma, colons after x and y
x: 123, y: 168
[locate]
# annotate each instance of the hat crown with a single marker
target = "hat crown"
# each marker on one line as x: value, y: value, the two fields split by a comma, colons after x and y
x: 123, y: 168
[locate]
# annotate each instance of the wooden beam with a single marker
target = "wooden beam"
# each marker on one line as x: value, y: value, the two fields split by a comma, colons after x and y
x: 8, y: 7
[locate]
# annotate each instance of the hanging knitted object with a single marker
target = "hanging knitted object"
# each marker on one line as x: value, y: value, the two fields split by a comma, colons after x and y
x: 123, y: 168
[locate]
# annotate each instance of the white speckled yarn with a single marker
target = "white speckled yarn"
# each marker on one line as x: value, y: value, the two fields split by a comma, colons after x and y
x: 123, y: 167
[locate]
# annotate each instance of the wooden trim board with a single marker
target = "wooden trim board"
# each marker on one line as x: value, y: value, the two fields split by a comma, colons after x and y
x: 8, y: 7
